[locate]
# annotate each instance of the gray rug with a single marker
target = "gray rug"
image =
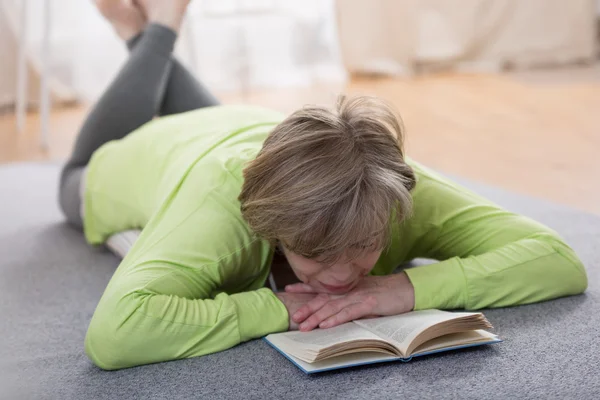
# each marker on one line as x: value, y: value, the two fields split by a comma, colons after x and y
x: 50, y: 282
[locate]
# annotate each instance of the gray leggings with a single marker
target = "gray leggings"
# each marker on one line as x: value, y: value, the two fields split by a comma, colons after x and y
x: 150, y: 83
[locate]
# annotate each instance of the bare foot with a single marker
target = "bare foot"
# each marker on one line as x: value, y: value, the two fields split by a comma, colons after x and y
x: 165, y: 12
x: 127, y: 19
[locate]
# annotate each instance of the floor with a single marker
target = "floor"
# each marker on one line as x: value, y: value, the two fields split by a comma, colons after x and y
x: 536, y: 132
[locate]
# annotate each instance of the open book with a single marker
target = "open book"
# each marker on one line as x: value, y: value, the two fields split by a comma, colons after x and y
x: 397, y: 337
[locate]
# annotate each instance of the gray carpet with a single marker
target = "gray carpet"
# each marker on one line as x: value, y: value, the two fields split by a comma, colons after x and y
x: 50, y: 282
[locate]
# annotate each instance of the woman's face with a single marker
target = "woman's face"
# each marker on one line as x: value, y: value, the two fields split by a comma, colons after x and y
x: 338, y: 278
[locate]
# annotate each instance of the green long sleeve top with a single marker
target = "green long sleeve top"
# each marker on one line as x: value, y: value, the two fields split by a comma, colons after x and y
x: 193, y: 283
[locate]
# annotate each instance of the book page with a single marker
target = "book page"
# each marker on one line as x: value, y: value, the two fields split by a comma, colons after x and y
x: 344, y: 361
x: 456, y: 339
x: 403, y: 329
x: 321, y: 338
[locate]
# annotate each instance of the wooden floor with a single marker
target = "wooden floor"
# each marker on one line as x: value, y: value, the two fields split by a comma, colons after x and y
x: 536, y: 133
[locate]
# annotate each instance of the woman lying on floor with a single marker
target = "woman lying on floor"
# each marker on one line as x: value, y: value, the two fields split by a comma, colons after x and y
x: 217, y: 190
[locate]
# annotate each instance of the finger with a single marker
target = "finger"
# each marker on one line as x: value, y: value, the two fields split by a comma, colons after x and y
x: 332, y: 307
x: 350, y: 313
x: 310, y: 308
x: 313, y: 306
x: 299, y: 288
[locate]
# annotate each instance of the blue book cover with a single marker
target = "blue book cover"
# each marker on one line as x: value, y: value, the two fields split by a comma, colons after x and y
x: 382, y: 339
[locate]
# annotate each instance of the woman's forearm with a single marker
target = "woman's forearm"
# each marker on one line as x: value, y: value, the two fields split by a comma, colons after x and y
x: 144, y: 327
x: 536, y: 268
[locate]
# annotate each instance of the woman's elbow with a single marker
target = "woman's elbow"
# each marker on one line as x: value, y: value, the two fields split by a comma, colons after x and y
x: 580, y: 280
x: 108, y: 348
x: 113, y: 339
x: 101, y: 347
x: 574, y: 273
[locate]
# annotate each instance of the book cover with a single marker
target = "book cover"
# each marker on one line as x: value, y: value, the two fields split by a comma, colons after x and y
x: 364, y: 358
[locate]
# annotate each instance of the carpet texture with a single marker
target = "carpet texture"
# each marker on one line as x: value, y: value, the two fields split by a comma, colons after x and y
x: 51, y: 281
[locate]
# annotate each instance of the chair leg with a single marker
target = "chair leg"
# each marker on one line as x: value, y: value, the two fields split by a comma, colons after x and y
x: 21, y: 100
x: 45, y: 72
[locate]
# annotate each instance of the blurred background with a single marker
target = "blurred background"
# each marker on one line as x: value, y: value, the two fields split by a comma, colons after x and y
x: 505, y: 92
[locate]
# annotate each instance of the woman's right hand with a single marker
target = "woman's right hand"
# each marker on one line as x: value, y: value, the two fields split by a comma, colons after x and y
x: 292, y: 302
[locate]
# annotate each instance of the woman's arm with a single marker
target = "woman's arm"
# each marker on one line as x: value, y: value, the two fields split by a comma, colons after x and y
x: 191, y: 285
x: 141, y: 326
x: 491, y: 257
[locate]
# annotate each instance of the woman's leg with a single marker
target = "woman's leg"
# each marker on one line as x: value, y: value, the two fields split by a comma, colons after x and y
x: 133, y: 98
x: 184, y: 92
x: 150, y: 83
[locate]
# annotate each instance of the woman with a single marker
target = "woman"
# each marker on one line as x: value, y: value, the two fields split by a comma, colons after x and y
x: 217, y: 190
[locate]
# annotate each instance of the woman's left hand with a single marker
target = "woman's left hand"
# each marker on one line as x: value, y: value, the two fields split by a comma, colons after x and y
x: 373, y: 296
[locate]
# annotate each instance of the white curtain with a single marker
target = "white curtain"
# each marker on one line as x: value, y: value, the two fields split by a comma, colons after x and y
x: 232, y: 44
x: 404, y: 36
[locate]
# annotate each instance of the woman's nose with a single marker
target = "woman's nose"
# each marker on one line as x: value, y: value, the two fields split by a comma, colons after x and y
x: 342, y: 272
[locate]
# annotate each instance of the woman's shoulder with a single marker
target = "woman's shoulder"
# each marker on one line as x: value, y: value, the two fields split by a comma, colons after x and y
x: 430, y: 180
x: 217, y: 177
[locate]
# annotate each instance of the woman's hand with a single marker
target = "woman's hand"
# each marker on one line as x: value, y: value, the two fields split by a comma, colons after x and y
x: 293, y: 302
x: 373, y: 296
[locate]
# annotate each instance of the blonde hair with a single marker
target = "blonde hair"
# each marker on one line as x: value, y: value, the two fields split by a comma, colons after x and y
x: 326, y: 182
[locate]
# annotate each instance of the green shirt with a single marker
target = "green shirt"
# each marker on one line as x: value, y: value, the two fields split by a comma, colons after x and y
x: 193, y: 283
